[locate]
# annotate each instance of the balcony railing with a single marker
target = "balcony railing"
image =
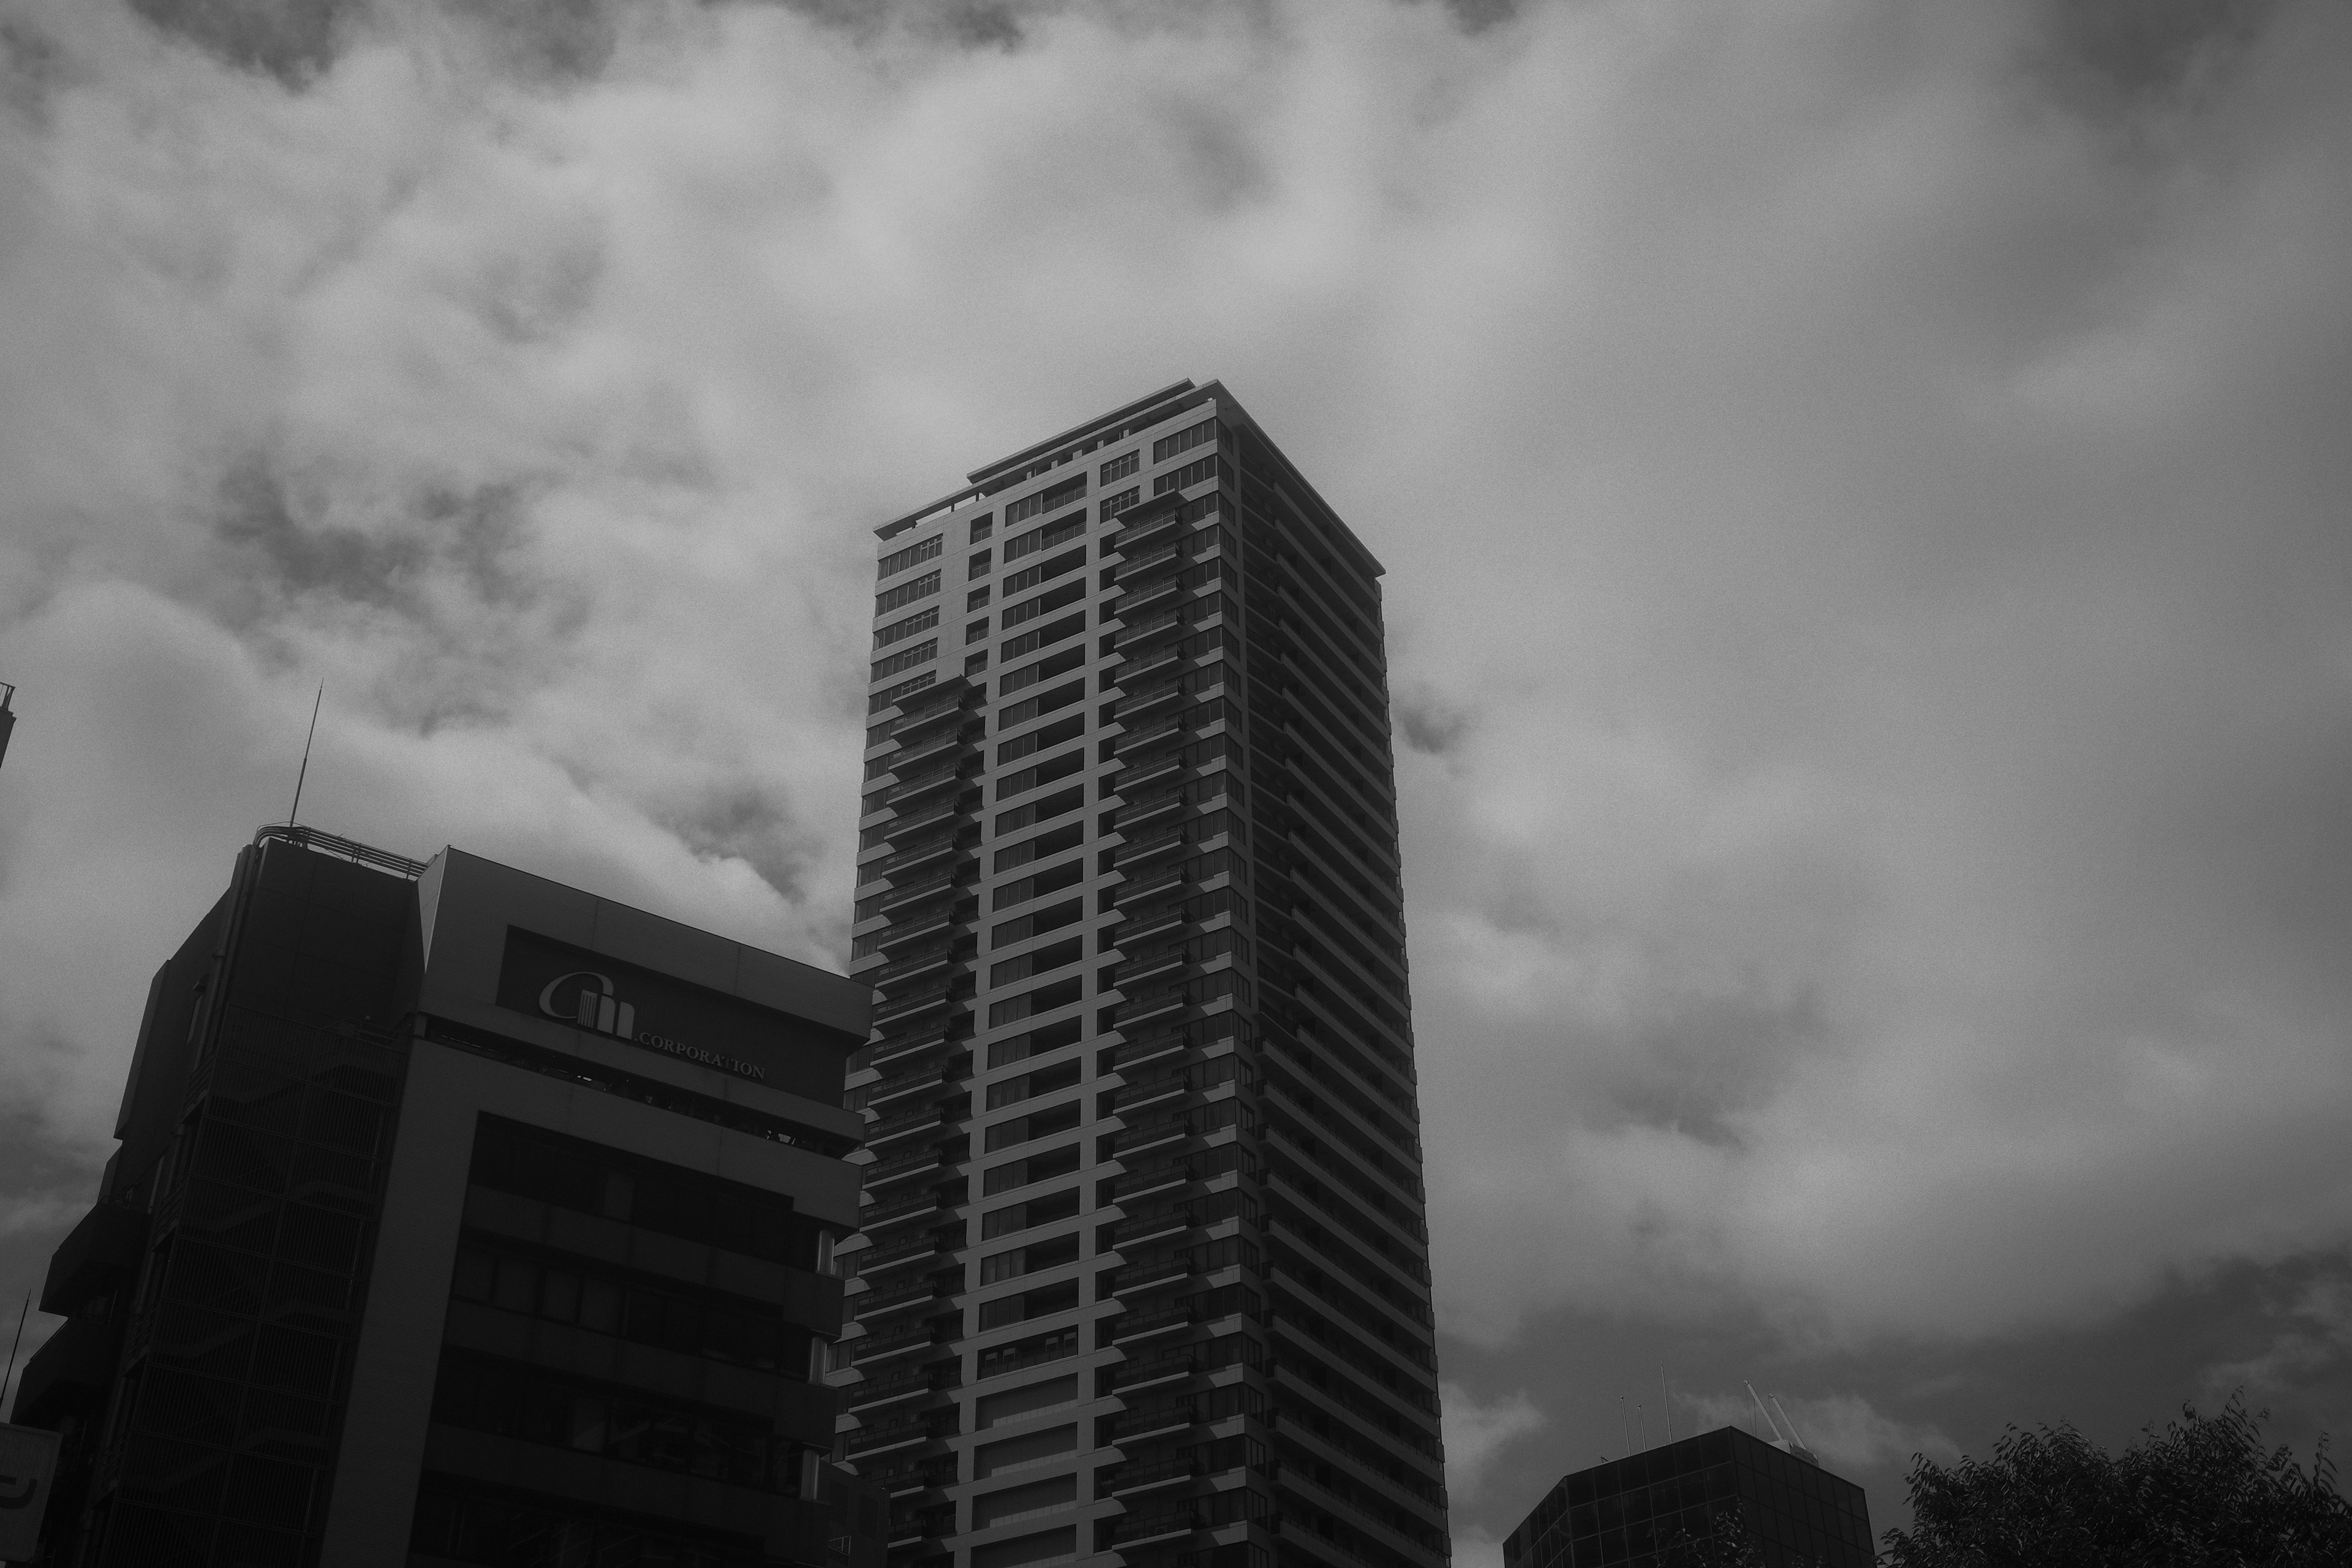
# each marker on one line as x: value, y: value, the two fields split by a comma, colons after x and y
x: 1126, y: 1479
x: 913, y: 964
x: 1157, y: 1275
x: 897, y: 1385
x: 1143, y: 664
x: 875, y: 1304
x: 875, y: 1259
x: 883, y: 1173
x: 1132, y: 1325
x: 907, y: 860
x: 874, y: 1214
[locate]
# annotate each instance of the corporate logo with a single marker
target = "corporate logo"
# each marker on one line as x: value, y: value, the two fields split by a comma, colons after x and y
x: 587, y: 999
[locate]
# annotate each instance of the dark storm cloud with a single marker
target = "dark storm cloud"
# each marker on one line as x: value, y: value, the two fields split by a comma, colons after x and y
x: 1862, y: 483
x: 292, y: 41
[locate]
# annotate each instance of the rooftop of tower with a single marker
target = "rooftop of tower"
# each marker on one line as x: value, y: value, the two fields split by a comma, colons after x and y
x: 1041, y: 457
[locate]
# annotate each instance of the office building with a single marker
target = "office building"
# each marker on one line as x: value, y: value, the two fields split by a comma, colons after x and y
x: 459, y: 1216
x: 1637, y: 1511
x: 1144, y: 1275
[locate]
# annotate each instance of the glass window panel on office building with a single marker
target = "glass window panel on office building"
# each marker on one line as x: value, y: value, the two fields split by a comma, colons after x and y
x: 1128, y: 895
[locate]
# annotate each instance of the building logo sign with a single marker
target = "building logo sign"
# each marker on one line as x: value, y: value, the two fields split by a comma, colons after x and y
x: 647, y: 1010
x: 586, y: 998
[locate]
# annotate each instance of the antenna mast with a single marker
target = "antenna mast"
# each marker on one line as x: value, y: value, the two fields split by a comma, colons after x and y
x: 304, y: 772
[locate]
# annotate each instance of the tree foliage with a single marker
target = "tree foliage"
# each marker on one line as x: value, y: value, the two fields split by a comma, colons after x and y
x: 2201, y: 1492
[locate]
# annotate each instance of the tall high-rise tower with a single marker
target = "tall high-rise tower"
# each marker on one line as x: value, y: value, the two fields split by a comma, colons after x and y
x: 1145, y: 1275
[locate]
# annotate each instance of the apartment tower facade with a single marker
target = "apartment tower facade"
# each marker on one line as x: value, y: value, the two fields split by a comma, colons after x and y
x: 1144, y: 1270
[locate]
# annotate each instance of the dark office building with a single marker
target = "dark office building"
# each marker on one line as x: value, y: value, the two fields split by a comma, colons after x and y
x: 459, y: 1216
x: 1634, y: 1511
x: 1145, y: 1273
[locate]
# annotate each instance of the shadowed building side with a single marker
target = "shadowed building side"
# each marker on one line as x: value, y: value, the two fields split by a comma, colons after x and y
x: 459, y: 1216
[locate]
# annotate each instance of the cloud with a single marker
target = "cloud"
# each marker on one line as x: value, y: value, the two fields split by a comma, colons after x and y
x: 1842, y: 1430
x: 1475, y: 1435
x: 1861, y: 485
x: 2313, y: 1345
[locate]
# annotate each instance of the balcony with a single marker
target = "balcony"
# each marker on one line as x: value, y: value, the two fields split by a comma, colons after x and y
x: 903, y: 1479
x: 1146, y: 1228
x: 876, y: 1260
x: 1152, y: 1179
x: 875, y: 1393
x: 908, y: 1432
x: 946, y: 813
x: 940, y: 923
x: 923, y: 718
x: 932, y: 884
x: 1149, y: 1009
x: 1173, y: 730
x: 1137, y: 1426
x: 907, y: 1167
x: 1164, y: 1525
x: 922, y: 1119
x: 928, y: 997
x: 1168, y: 1366
x: 1140, y: 1053
x: 896, y: 1210
x: 930, y: 1075
x: 874, y: 1303
x: 1144, y: 664
x: 1136, y: 972
x: 1165, y: 880
x: 1153, y: 561
x: 1142, y: 536
x: 1163, y: 1134
x: 911, y: 966
x: 1152, y: 629
x: 1129, y: 1328
x: 933, y: 748
x: 1140, y: 707
x: 1143, y: 814
x: 908, y: 860
x: 948, y: 777
x: 1147, y: 771
x: 912, y: 1340
x: 1126, y: 1480
x: 1167, y: 1087
x: 1169, y: 840
x: 1160, y: 1275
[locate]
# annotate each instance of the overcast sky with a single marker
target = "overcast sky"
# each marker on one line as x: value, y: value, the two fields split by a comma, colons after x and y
x: 1864, y: 490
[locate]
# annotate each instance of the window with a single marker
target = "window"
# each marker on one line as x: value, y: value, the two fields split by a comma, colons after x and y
x: 1043, y: 670
x: 1019, y: 714
x: 1034, y: 1258
x: 973, y: 663
x: 899, y: 631
x: 1069, y: 835
x: 696, y: 1323
x: 921, y: 653
x: 1192, y: 473
x: 571, y: 1174
x: 1069, y: 912
x: 1036, y: 1125
x: 1118, y: 467
x: 1044, y: 637
x: 1051, y: 879
x: 974, y: 631
x: 1036, y: 1043
x: 1060, y: 993
x: 913, y: 555
x: 1042, y: 1167
x: 1034, y: 1350
x: 976, y: 599
x: 1184, y: 441
x: 1045, y: 501
x: 922, y: 587
x: 1052, y: 599
x: 1059, y: 532
x: 1038, y: 1303
x: 539, y: 1405
x: 1041, y: 810
x: 891, y: 697
x: 1045, y: 572
x: 982, y: 527
x: 1030, y: 1085
x: 1047, y: 772
x: 1042, y: 960
x: 982, y: 561
x: 1113, y: 505
x: 1015, y: 1217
